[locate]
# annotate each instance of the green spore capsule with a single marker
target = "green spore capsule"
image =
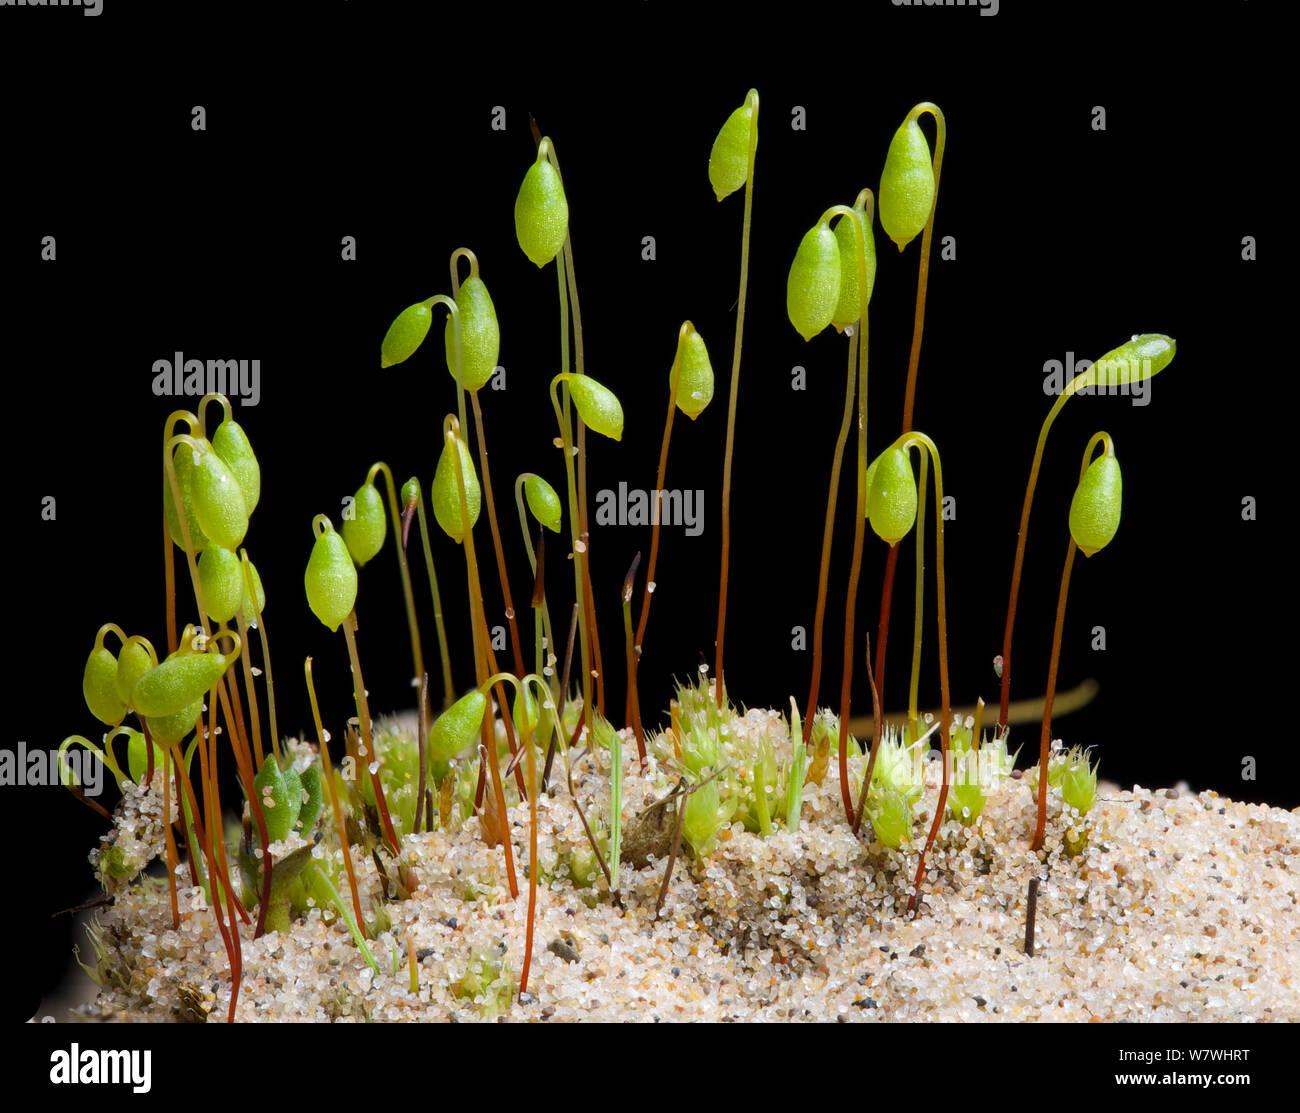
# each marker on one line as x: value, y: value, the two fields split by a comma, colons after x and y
x: 218, y: 501
x: 1095, y: 507
x: 137, y: 755
x: 365, y: 530
x: 525, y: 710
x: 906, y: 184
x: 445, y: 493
x: 891, y: 507
x: 99, y: 687
x: 812, y: 290
x: 167, y: 730
x: 729, y: 157
x: 183, y: 465
x: 132, y: 663
x: 331, y: 577
x: 222, y: 578
x: 280, y: 794
x: 246, y: 600
x: 177, y: 682
x: 455, y: 730
x: 847, y: 309
x: 541, y: 210
x: 694, y: 373
x: 230, y: 442
x: 543, y: 502
x: 406, y: 334
x: 1141, y: 358
x: 598, y: 406
x: 480, y: 335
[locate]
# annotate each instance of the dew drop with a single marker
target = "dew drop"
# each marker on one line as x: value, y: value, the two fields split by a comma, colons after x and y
x: 373, y: 767
x: 257, y: 671
x: 650, y: 586
x: 510, y: 614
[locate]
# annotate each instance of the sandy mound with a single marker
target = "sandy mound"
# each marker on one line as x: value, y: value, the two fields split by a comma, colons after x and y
x: 1182, y: 907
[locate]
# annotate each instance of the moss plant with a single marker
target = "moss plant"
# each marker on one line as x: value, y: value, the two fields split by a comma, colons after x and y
x: 892, y: 510
x: 480, y: 340
x: 542, y: 229
x: 690, y: 389
x: 471, y: 341
x: 1094, y: 520
x: 739, y: 133
x: 1136, y: 361
x: 978, y: 767
x: 364, y: 531
x: 829, y: 270
x: 909, y: 196
x: 463, y: 525
x: 859, y: 519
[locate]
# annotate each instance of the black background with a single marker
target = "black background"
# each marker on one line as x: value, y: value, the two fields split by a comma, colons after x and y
x: 357, y: 121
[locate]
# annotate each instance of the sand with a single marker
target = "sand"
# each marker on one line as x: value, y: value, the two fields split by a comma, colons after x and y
x: 1183, y: 907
